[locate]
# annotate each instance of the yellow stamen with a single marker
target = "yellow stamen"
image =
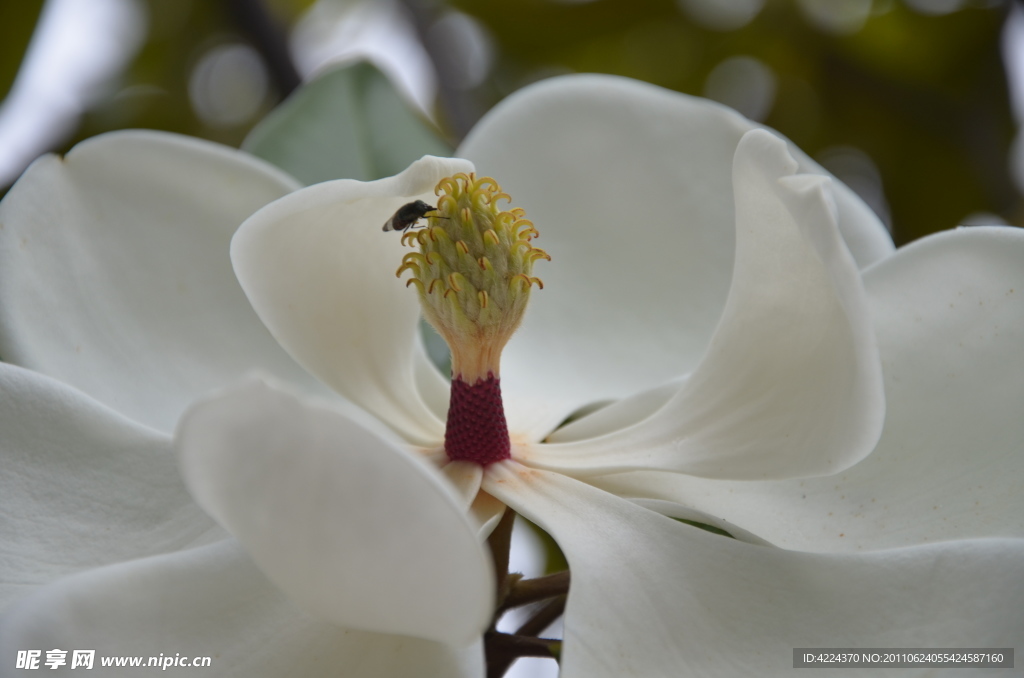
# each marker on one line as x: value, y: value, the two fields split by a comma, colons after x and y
x: 480, y: 259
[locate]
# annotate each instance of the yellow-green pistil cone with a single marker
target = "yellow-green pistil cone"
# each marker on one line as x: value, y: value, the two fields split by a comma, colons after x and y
x: 473, y: 271
x: 473, y: 274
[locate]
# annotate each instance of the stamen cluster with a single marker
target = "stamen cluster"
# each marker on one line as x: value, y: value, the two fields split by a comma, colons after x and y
x: 473, y: 271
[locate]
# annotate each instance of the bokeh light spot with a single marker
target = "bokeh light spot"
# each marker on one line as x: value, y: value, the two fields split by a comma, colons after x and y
x: 228, y: 85
x: 722, y: 15
x: 467, y: 51
x: 744, y: 83
x: 842, y: 17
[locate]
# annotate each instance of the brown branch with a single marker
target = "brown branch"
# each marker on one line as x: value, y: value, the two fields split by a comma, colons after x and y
x: 543, y: 617
x: 502, y: 649
x: 526, y: 591
x: 500, y: 543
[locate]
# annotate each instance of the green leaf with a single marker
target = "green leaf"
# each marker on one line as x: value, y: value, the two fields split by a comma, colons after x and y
x: 348, y: 123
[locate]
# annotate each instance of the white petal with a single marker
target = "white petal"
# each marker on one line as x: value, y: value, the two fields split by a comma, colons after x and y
x: 685, y: 513
x: 630, y: 187
x: 619, y: 414
x: 949, y: 314
x: 114, y: 271
x: 82, y: 486
x: 321, y: 274
x: 791, y: 385
x: 488, y: 511
x: 654, y: 597
x: 465, y: 477
x: 211, y: 602
x: 433, y: 388
x: 355, y: 529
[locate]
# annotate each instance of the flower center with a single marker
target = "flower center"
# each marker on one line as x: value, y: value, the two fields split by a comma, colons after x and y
x: 472, y: 271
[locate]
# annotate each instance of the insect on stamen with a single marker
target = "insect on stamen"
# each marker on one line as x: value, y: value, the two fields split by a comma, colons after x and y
x: 407, y: 216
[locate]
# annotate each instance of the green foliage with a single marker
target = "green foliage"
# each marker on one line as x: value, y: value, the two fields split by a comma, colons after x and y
x: 924, y: 96
x: 348, y: 123
x: 153, y: 92
x: 17, y: 20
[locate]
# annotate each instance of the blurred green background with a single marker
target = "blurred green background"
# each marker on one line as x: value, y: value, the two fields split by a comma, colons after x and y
x: 906, y: 100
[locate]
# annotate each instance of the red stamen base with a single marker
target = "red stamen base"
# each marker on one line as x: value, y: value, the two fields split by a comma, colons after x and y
x: 476, y: 428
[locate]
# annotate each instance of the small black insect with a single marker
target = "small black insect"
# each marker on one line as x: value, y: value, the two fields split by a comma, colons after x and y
x: 407, y: 215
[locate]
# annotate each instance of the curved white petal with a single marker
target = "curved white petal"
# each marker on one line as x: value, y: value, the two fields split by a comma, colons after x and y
x: 653, y: 597
x: 630, y: 186
x: 321, y: 274
x: 354, y: 528
x: 210, y: 602
x: 433, y: 388
x: 488, y: 511
x: 114, y: 271
x: 618, y: 415
x: 82, y: 486
x: 791, y: 385
x: 949, y: 314
x: 685, y: 513
x: 465, y: 477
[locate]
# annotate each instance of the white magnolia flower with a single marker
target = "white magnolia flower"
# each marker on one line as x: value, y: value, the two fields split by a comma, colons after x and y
x: 699, y: 282
x: 118, y: 254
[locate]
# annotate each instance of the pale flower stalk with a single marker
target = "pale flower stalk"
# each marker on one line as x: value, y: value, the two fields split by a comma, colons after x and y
x: 700, y: 282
